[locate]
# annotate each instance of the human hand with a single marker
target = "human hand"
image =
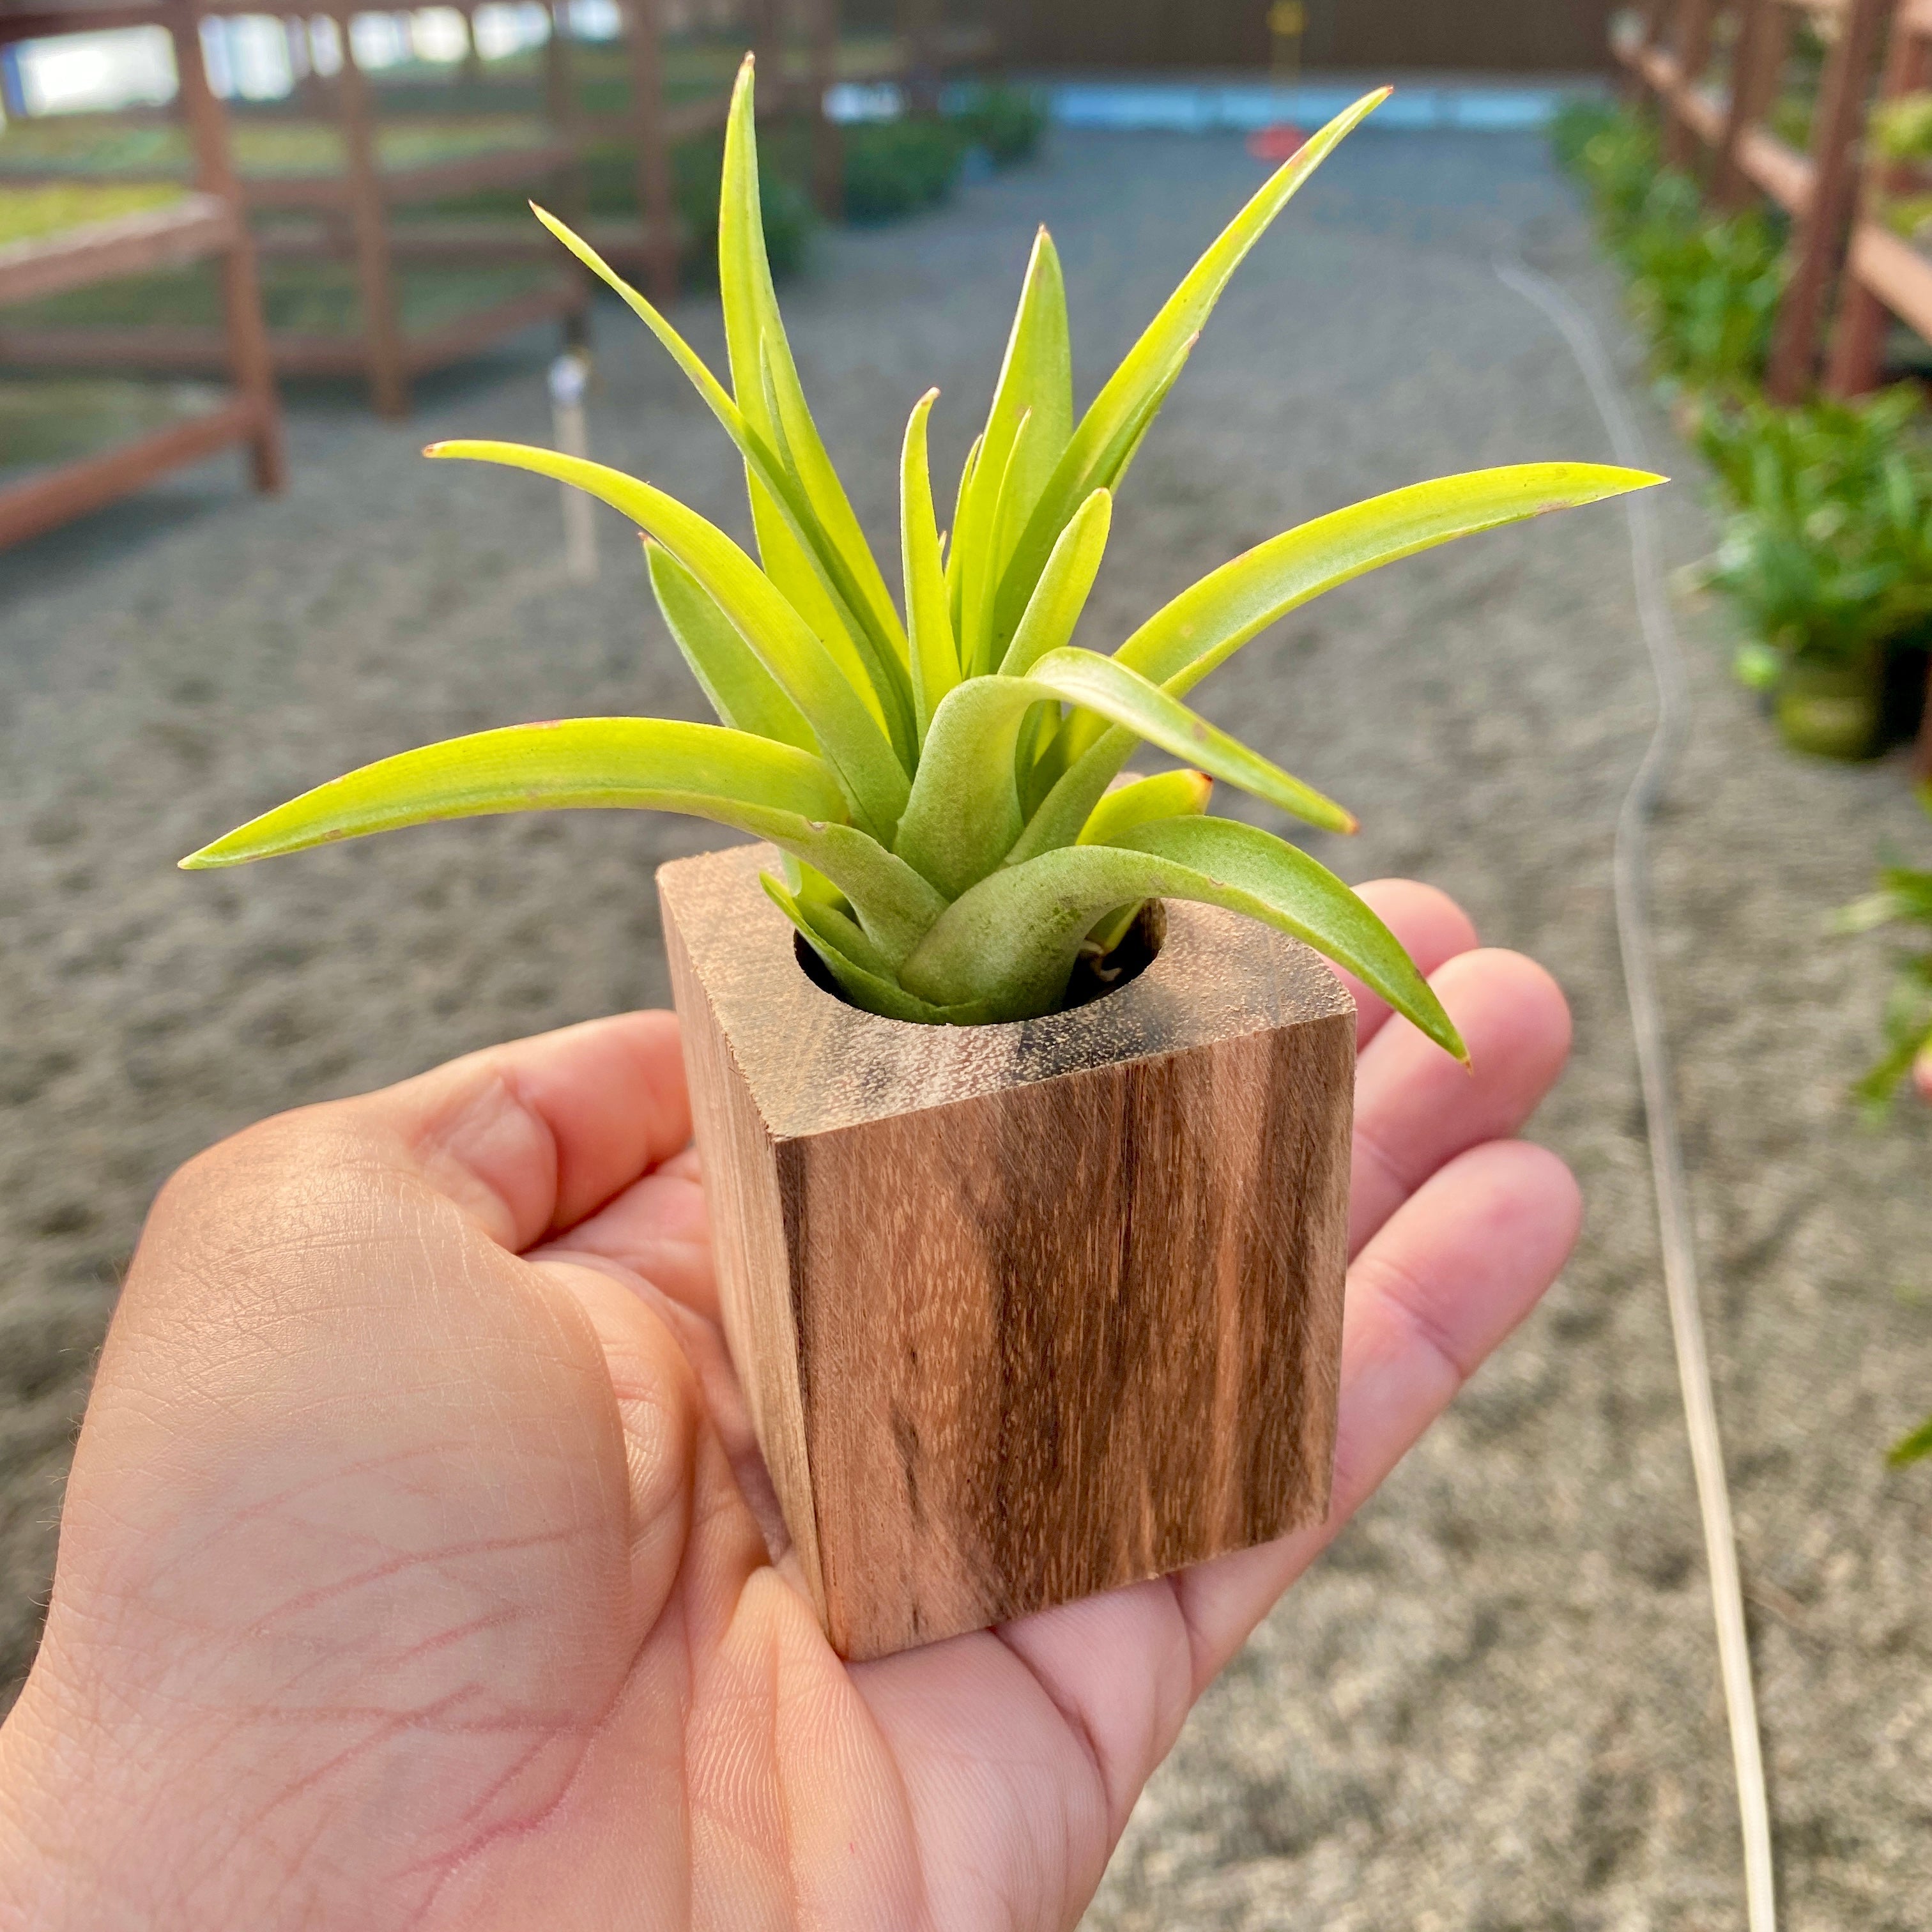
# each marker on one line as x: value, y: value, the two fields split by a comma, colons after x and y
x: 411, y: 1575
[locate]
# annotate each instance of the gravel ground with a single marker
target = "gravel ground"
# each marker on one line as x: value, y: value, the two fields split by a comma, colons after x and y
x: 1495, y: 1705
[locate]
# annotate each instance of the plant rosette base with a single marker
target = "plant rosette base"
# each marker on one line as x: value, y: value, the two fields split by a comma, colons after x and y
x: 1022, y: 1312
x: 1832, y: 709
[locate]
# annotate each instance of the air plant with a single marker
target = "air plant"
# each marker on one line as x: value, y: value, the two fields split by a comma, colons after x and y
x: 944, y: 785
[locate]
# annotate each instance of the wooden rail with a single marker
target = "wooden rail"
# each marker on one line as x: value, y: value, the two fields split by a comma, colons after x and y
x: 207, y: 223
x: 1835, y: 194
x: 1832, y: 192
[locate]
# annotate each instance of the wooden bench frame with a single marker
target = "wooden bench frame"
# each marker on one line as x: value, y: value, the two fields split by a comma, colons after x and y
x: 208, y: 223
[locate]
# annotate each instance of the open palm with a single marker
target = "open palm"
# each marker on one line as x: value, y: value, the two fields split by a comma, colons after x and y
x: 414, y: 1567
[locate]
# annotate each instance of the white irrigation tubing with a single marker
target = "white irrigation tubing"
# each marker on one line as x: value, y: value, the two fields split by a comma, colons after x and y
x: 1631, y: 873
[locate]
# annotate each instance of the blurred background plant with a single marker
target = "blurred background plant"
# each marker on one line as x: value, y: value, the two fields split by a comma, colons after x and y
x: 1826, y: 554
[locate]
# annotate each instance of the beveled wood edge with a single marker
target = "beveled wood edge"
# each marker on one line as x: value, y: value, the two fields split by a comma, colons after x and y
x: 1262, y: 979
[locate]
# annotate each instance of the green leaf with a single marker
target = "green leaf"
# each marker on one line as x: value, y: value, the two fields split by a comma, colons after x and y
x: 1116, y: 692
x: 881, y: 658
x: 964, y: 814
x: 742, y: 692
x: 843, y: 947
x: 819, y: 919
x: 1012, y: 940
x: 1911, y: 1448
x: 935, y: 658
x: 753, y: 330
x: 1027, y: 428
x: 752, y: 785
x: 1152, y: 363
x: 799, y: 556
x: 849, y: 735
x: 1166, y: 795
x: 955, y: 574
x: 1203, y: 627
x: 1064, y: 586
x: 650, y: 763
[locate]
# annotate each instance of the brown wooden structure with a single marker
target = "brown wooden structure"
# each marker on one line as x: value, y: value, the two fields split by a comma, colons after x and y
x: 1369, y: 37
x: 1021, y: 1312
x: 1834, y: 192
x: 1722, y: 122
x: 1842, y: 246
x: 354, y: 213
x: 208, y: 223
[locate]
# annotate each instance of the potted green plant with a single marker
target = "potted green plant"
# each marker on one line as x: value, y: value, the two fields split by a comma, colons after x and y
x: 1022, y: 1099
x: 1827, y: 557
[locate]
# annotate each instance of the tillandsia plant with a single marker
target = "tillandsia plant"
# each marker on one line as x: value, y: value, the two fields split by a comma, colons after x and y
x: 944, y: 785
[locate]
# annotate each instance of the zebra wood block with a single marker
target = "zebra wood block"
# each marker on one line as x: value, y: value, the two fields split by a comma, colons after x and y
x: 1025, y: 1311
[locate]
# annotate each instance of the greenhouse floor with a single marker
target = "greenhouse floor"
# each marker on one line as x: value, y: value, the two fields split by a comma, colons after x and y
x: 1495, y: 1705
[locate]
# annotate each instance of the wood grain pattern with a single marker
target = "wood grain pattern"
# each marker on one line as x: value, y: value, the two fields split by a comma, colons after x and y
x: 1025, y: 1311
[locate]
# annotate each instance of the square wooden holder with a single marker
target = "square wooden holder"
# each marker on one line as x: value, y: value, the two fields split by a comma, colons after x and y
x: 1023, y: 1312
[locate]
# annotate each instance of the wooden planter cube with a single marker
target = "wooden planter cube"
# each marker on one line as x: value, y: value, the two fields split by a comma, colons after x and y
x: 1024, y: 1312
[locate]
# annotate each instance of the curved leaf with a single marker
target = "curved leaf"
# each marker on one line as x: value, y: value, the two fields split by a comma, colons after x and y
x: 816, y: 580
x: 752, y: 785
x: 1203, y: 627
x: 842, y: 947
x: 784, y: 643
x: 1012, y: 940
x: 1027, y: 427
x: 1119, y: 416
x: 935, y: 656
x: 1166, y: 795
x: 1117, y: 692
x: 650, y: 763
x: 742, y: 692
x: 753, y: 329
x: 964, y: 814
x: 1064, y: 586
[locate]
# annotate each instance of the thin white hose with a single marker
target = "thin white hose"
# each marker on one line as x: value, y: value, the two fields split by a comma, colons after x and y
x: 1631, y: 873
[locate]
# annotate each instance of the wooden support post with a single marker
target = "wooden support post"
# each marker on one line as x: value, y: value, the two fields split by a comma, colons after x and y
x: 369, y: 220
x: 828, y: 146
x: 657, y: 199
x: 1857, y: 340
x: 248, y: 357
x: 767, y: 43
x: 1818, y: 244
x: 470, y: 73
x: 919, y: 29
x: 1757, y: 63
x: 1021, y: 1313
x: 564, y: 110
x: 1680, y: 144
x: 556, y: 64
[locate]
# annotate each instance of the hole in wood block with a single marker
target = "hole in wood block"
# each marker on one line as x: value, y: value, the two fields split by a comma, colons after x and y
x: 1092, y: 979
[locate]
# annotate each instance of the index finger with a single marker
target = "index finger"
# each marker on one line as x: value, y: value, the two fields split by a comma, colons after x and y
x: 533, y: 1136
